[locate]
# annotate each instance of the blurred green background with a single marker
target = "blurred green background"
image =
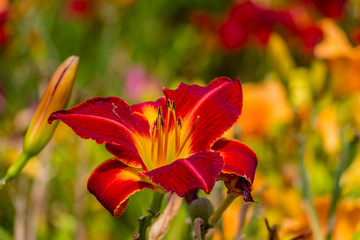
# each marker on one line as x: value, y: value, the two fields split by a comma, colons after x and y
x: 299, y: 63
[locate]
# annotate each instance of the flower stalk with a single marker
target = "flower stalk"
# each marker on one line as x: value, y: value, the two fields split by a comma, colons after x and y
x: 347, y: 156
x: 221, y: 209
x: 308, y: 196
x: 160, y: 227
x: 153, y: 213
x: 15, y: 168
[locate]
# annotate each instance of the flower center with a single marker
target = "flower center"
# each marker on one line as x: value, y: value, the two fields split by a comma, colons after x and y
x: 167, y: 131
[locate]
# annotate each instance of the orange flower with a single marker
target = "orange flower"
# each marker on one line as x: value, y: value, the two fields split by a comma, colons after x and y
x: 265, y: 105
x: 347, y: 217
x: 343, y: 58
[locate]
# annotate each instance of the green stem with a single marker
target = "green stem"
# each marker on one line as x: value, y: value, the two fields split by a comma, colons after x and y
x: 156, y: 202
x: 221, y: 209
x: 308, y: 197
x: 15, y: 168
x: 346, y: 157
x: 146, y: 221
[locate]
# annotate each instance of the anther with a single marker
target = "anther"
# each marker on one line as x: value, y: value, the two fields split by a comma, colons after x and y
x: 156, y: 124
x: 159, y: 112
x: 179, y: 123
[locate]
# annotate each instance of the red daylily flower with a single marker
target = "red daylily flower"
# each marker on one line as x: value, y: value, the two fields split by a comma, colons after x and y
x: 330, y: 8
x: 247, y: 21
x: 163, y: 145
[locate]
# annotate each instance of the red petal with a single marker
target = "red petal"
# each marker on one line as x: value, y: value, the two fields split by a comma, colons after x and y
x: 217, y: 105
x: 239, y: 159
x: 113, y: 182
x: 127, y: 154
x: 245, y: 188
x: 107, y: 120
x: 240, y: 164
x: 183, y: 175
x: 233, y: 35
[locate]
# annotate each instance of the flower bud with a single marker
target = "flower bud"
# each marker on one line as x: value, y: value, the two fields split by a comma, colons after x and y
x: 201, y: 208
x: 39, y: 133
x: 56, y: 97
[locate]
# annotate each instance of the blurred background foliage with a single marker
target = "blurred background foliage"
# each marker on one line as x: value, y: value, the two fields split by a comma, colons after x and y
x: 299, y: 62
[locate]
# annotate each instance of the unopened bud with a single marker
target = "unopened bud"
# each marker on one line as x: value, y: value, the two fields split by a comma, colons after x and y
x: 56, y: 97
x: 39, y: 133
x: 201, y: 208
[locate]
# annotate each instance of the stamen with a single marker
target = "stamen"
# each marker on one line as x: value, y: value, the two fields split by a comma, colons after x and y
x: 153, y: 143
x: 187, y: 137
x: 177, y: 139
x: 160, y: 126
x: 167, y: 129
x: 159, y: 112
x: 169, y: 104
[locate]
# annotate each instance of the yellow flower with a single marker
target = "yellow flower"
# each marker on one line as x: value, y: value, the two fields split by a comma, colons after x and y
x: 328, y: 127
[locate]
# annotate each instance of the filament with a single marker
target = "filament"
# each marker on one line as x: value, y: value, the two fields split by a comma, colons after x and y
x: 167, y: 130
x: 160, y: 126
x: 188, y: 136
